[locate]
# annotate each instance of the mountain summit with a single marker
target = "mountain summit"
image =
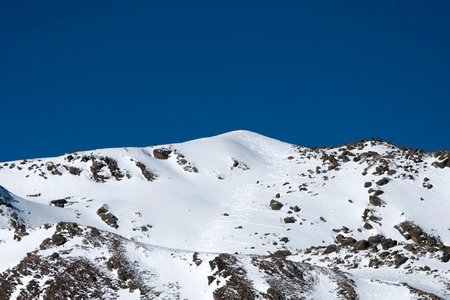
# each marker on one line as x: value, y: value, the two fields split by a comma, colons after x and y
x: 235, y: 216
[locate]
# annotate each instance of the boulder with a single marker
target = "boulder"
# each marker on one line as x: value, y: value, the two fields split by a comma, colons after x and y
x: 361, y: 245
x: 375, y: 239
x: 345, y: 241
x: 388, y: 243
x: 384, y: 254
x: 296, y: 208
x: 284, y: 239
x: 282, y: 253
x: 330, y: 249
x: 383, y: 181
x: 58, y: 239
x: 275, y: 205
x: 58, y: 202
x: 378, y: 193
x: 367, y: 226
x: 288, y: 220
x: 400, y: 260
x: 162, y: 153
x: 375, y: 201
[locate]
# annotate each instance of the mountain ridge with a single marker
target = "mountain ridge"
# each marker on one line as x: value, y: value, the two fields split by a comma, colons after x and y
x: 240, y: 132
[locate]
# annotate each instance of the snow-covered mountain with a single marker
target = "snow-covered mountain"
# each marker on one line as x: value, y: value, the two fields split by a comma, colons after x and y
x: 235, y: 216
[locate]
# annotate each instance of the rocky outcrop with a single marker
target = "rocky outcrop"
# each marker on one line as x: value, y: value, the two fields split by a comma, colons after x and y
x: 82, y: 276
x: 162, y: 153
x: 107, y: 216
x: 59, y: 202
x: 285, y: 279
x: 149, y: 175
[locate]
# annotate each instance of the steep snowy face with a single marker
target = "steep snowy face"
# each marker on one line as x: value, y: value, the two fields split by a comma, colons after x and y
x: 364, y: 206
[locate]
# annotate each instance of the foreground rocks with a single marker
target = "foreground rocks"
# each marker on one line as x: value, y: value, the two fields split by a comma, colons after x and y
x: 100, y: 268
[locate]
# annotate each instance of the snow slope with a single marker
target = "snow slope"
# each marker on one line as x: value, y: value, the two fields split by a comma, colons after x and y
x: 244, y: 194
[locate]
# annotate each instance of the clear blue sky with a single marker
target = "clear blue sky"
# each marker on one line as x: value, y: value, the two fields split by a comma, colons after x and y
x: 79, y: 75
